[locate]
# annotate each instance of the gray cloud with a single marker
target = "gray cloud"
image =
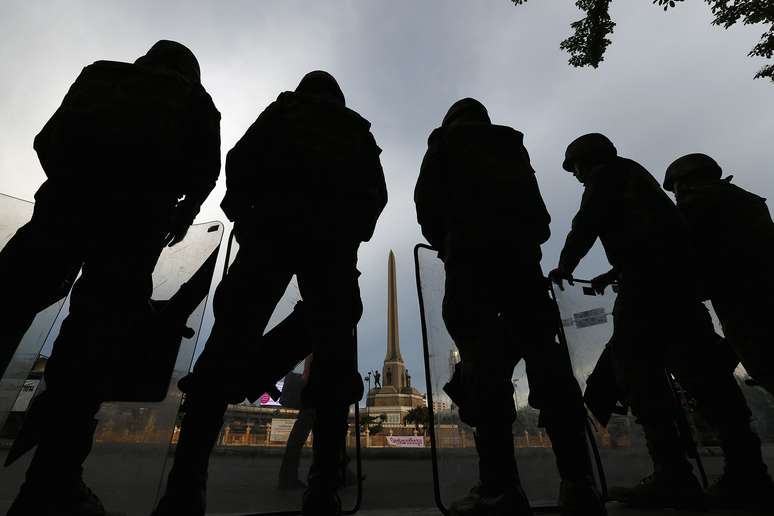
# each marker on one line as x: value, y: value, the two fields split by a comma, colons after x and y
x: 670, y: 84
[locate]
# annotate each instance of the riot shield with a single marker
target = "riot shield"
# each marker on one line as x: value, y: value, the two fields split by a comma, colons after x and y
x: 14, y: 213
x: 760, y: 402
x: 265, y: 446
x: 587, y: 326
x: 132, y: 438
x: 455, y: 461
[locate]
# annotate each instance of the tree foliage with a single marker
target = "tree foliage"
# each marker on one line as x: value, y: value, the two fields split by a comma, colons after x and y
x: 375, y: 424
x: 419, y: 417
x: 590, y: 39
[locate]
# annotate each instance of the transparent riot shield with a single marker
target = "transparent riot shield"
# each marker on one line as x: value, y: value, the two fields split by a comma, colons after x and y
x: 760, y: 402
x: 587, y: 326
x: 14, y: 213
x: 132, y: 438
x: 265, y: 446
x: 455, y: 462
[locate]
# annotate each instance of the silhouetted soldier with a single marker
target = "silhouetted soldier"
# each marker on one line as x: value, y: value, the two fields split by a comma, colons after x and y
x: 478, y: 203
x: 128, y: 142
x: 734, y: 237
x: 304, y: 188
x: 659, y: 323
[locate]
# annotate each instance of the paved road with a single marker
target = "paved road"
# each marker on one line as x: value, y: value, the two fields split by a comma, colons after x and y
x: 613, y: 509
x: 396, y: 484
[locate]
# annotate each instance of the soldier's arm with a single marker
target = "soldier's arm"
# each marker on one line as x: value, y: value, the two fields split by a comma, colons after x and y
x: 586, y: 225
x: 242, y: 162
x: 537, y: 210
x: 542, y: 217
x: 376, y: 186
x: 204, y: 162
x: 430, y: 196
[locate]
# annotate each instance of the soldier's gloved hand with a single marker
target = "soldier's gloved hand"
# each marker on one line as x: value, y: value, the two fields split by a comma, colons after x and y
x: 557, y: 275
x: 601, y: 282
x: 181, y: 220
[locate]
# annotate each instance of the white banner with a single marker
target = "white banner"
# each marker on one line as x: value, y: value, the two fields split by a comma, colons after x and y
x: 406, y: 441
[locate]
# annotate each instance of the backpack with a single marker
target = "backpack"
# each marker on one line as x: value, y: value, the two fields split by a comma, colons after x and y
x: 118, y: 116
x: 492, y: 191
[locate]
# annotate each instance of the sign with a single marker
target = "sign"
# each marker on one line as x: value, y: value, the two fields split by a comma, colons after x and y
x: 280, y: 429
x: 25, y: 396
x: 267, y: 401
x: 406, y: 441
x: 590, y: 318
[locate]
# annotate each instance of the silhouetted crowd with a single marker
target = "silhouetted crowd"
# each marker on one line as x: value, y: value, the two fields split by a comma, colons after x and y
x: 134, y: 150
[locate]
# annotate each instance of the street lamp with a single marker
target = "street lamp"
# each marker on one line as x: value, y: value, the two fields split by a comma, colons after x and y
x: 367, y: 379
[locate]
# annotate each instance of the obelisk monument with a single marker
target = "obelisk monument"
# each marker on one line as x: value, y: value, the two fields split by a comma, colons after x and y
x: 394, y: 370
x: 397, y: 395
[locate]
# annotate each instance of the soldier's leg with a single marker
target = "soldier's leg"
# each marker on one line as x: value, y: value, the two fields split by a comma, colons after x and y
x: 745, y: 317
x: 109, y: 302
x: 553, y: 387
x: 470, y: 311
x: 37, y: 268
x: 638, y: 354
x: 243, y: 304
x: 288, y: 474
x: 533, y: 320
x: 186, y: 489
x: 700, y: 368
x: 53, y: 483
x: 328, y: 283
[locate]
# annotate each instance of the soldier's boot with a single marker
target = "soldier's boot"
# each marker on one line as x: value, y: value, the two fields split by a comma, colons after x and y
x: 186, y: 490
x: 745, y: 483
x: 499, y: 491
x: 321, y: 497
x: 672, y: 483
x: 288, y: 478
x: 578, y: 496
x: 54, y: 483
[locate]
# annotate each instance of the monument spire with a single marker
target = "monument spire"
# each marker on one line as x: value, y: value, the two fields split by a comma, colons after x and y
x: 393, y: 338
x: 396, y: 397
x: 394, y: 371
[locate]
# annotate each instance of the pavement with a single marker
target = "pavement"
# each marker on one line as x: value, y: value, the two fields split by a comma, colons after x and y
x: 130, y: 478
x: 613, y: 510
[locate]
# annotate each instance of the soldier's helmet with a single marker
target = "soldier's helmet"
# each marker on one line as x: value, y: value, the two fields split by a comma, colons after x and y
x: 691, y: 165
x: 467, y: 110
x: 593, y: 147
x: 321, y: 84
x: 173, y: 56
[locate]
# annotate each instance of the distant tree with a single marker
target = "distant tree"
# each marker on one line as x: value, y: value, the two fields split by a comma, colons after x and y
x: 588, y: 44
x: 419, y: 417
x: 375, y: 424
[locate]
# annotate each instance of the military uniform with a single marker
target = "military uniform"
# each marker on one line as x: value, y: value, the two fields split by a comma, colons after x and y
x: 304, y: 187
x: 478, y: 203
x: 734, y: 237
x: 128, y: 141
x: 658, y: 322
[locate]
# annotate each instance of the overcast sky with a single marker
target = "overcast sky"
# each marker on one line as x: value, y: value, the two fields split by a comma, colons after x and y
x: 670, y: 84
